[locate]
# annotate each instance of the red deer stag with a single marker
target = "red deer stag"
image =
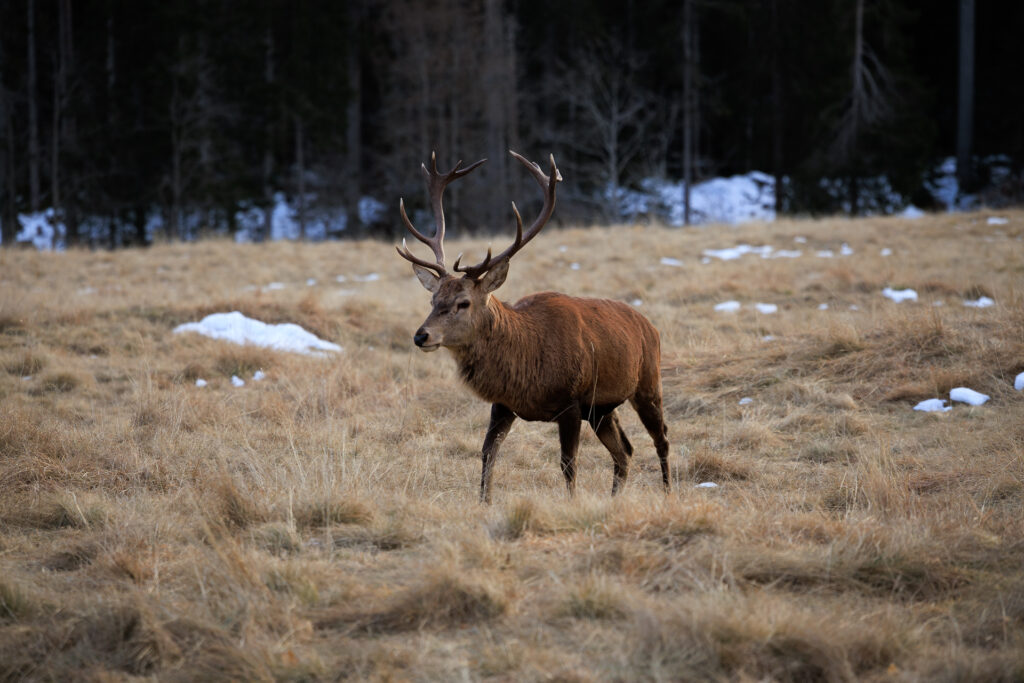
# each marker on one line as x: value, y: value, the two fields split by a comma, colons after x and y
x: 548, y: 357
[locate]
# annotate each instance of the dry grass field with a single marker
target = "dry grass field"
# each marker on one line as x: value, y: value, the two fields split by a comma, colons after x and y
x: 323, y: 523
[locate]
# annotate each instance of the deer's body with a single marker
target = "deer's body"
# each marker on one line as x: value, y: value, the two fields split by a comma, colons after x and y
x: 549, y: 350
x: 549, y: 357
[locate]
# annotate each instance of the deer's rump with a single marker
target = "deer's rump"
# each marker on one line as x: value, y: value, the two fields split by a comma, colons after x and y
x: 564, y: 350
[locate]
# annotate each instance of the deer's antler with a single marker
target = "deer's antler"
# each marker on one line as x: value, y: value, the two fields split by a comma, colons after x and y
x: 436, y: 182
x: 547, y: 186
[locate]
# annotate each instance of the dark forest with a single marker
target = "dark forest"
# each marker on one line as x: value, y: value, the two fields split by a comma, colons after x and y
x: 122, y: 116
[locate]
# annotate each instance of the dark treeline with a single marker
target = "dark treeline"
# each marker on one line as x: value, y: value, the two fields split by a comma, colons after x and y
x: 116, y: 113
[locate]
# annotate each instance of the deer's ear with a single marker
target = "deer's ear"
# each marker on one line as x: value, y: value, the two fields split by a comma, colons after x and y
x: 494, y: 277
x: 427, y: 278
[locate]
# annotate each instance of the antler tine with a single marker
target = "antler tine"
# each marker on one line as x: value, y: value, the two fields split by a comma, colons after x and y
x: 547, y: 184
x: 436, y: 182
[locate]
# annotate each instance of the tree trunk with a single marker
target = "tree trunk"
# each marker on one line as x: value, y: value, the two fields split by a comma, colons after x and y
x: 300, y: 175
x: 353, y: 187
x: 8, y: 212
x: 688, y: 105
x: 33, y: 113
x: 778, y: 117
x: 965, y: 97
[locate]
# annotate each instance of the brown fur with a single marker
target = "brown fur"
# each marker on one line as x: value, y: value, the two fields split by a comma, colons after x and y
x: 553, y: 358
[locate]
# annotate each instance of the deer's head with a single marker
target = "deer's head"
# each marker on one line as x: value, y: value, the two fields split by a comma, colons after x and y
x: 460, y: 304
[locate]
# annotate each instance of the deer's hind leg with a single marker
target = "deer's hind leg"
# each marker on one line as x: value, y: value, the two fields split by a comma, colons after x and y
x: 648, y: 407
x: 609, y: 431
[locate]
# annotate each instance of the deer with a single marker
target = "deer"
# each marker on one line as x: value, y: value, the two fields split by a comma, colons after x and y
x: 548, y: 357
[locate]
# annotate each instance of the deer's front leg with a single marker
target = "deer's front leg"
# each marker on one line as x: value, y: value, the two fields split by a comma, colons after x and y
x: 501, y: 422
x: 569, y: 437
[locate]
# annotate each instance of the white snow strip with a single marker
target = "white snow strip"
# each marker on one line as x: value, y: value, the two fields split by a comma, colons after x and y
x: 369, y: 277
x: 997, y: 220
x: 825, y: 253
x: 968, y: 396
x: 912, y: 212
x: 822, y: 307
x: 200, y: 382
x: 933, y: 405
x: 637, y: 302
x: 237, y: 381
x: 258, y: 375
x: 1018, y: 383
x: 341, y: 278
x: 980, y: 302
x: 728, y: 307
x: 669, y: 261
x: 899, y: 295
x: 845, y: 250
x: 766, y: 308
x: 706, y: 485
x: 800, y: 239
x: 768, y: 338
x: 273, y: 286
x: 787, y: 253
x: 237, y: 328
x: 746, y: 400
x: 738, y: 251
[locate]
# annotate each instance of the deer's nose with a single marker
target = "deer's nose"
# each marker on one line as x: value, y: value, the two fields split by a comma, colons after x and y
x: 420, y: 338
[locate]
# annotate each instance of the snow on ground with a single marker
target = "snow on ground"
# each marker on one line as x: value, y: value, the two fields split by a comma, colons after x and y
x: 767, y: 309
x: 997, y: 220
x: 980, y: 302
x: 669, y: 261
x: 899, y: 295
x: 237, y: 328
x: 237, y: 381
x: 1018, y: 383
x: 706, y: 485
x: 728, y: 307
x: 746, y: 401
x: 968, y: 396
x: 933, y: 405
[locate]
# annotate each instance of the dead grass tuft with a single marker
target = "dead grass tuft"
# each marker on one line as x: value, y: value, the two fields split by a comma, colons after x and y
x: 233, y: 507
x: 61, y: 381
x: 332, y: 512
x: 707, y: 465
x: 445, y: 599
x: 597, y: 596
x: 26, y: 363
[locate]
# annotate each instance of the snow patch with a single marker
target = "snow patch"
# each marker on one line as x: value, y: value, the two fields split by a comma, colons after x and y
x: 237, y: 381
x: 728, y: 307
x: 746, y: 400
x: 980, y: 302
x: 706, y: 485
x: 1018, y: 383
x: 200, y: 382
x: 669, y: 261
x: 933, y: 405
x: 997, y: 220
x: 899, y: 295
x: 237, y: 328
x: 767, y: 309
x: 968, y: 396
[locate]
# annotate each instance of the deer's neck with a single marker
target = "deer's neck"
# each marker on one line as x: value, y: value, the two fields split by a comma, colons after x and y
x: 494, y: 364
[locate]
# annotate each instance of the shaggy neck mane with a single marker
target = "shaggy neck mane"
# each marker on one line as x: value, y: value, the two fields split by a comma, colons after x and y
x: 489, y: 366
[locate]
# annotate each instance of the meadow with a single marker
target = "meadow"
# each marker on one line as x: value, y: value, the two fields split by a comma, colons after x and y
x: 323, y: 523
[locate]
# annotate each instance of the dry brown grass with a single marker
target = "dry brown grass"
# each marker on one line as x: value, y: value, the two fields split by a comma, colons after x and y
x: 324, y: 523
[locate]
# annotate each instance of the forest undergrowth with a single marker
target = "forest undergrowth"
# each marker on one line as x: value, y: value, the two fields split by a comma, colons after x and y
x: 323, y: 523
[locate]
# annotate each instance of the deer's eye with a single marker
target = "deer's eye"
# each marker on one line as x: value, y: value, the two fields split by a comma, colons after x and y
x: 462, y: 305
